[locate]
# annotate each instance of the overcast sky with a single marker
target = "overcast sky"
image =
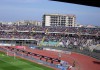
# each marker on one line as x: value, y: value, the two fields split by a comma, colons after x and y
x: 15, y: 10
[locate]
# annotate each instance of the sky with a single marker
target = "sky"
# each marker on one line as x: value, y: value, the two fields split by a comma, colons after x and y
x: 15, y: 10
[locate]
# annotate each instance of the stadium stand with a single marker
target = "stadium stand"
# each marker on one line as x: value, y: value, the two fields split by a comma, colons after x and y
x: 81, y: 38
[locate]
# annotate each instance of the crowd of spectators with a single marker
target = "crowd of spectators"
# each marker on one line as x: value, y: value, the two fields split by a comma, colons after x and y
x: 81, y: 30
x: 80, y: 40
x: 19, y: 35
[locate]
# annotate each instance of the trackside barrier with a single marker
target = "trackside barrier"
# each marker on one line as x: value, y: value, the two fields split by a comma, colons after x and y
x: 31, y: 58
x: 66, y: 52
x: 71, y: 60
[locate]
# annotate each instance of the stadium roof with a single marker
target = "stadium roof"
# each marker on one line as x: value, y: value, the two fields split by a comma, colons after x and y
x: 94, y: 3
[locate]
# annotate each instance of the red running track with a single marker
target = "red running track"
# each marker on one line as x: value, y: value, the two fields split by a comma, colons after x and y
x: 83, y: 62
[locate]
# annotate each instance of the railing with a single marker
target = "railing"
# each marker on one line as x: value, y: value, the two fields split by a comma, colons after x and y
x: 30, y: 58
x: 71, y: 61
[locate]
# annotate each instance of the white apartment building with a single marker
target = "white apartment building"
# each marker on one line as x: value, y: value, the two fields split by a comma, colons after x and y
x: 59, y: 20
x: 29, y: 22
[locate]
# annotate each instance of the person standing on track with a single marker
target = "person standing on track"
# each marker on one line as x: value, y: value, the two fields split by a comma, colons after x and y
x: 59, y: 55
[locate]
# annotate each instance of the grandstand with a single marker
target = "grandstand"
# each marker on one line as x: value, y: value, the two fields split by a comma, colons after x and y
x: 64, y: 38
x: 28, y: 34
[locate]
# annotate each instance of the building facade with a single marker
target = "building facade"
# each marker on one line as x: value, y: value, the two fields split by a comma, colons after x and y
x: 59, y: 20
x: 29, y: 22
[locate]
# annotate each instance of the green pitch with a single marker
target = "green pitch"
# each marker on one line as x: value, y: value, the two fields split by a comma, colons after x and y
x: 9, y: 63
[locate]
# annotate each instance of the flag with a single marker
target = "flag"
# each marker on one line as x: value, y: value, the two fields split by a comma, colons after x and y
x: 97, y: 34
x: 78, y: 33
x: 14, y: 29
x: 42, y: 41
x: 21, y: 47
x: 65, y: 31
x: 46, y: 32
x: 33, y: 30
x: 64, y: 43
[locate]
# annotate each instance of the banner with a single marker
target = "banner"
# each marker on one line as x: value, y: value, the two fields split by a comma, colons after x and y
x: 20, y: 47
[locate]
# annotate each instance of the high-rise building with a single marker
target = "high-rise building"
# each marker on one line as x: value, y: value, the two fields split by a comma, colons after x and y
x: 59, y: 20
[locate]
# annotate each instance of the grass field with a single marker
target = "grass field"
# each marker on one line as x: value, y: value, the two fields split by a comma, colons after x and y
x: 9, y: 63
